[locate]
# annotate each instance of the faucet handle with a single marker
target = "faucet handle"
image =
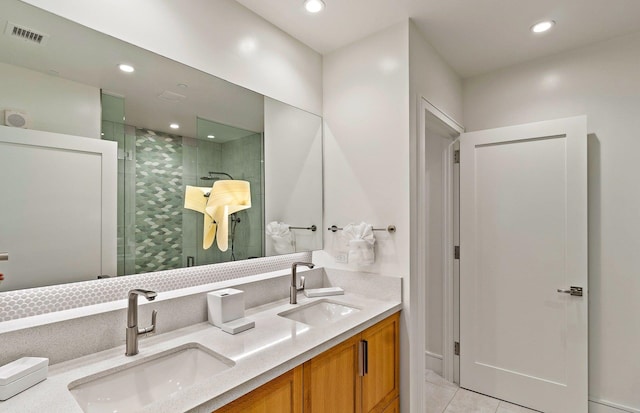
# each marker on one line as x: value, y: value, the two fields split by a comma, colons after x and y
x: 152, y: 328
x: 301, y: 285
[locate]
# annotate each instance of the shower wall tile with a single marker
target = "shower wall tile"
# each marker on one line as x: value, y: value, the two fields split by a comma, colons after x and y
x: 242, y: 159
x: 189, y: 217
x: 159, y: 201
x: 129, y: 201
x: 189, y: 161
x: 190, y: 222
x: 208, y: 159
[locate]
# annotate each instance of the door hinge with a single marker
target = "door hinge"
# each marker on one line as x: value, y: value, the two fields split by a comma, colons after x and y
x: 456, y: 348
x: 456, y: 252
x: 456, y: 156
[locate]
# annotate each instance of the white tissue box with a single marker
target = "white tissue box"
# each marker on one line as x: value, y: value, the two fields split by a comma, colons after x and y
x: 21, y: 374
x: 225, y: 305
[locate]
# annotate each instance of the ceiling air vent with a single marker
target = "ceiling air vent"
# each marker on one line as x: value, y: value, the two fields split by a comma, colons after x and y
x: 26, y: 34
x: 171, y: 96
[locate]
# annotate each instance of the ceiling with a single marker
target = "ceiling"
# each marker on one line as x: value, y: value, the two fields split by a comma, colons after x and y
x: 473, y: 36
x: 159, y: 92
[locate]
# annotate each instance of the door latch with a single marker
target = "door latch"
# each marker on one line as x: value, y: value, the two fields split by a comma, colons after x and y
x: 574, y: 291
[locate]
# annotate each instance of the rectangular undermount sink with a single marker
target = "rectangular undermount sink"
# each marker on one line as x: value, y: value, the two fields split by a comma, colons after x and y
x: 147, y: 381
x: 319, y: 313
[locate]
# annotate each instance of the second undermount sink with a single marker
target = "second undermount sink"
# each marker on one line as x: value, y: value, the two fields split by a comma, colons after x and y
x: 319, y: 313
x: 151, y: 380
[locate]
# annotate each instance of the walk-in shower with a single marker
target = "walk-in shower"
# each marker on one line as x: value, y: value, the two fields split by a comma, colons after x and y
x: 155, y: 231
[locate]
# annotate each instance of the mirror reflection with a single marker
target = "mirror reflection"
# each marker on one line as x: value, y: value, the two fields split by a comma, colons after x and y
x: 155, y: 230
x: 166, y: 127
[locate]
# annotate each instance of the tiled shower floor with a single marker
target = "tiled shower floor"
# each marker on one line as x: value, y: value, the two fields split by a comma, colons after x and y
x: 444, y: 397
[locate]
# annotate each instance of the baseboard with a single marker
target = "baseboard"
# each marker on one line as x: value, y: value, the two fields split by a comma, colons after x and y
x: 433, y: 362
x: 603, y: 406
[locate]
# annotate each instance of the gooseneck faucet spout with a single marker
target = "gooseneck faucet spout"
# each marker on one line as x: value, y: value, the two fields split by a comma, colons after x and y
x: 293, y: 291
x: 133, y: 332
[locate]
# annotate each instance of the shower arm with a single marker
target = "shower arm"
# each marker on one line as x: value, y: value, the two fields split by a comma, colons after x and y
x: 220, y: 173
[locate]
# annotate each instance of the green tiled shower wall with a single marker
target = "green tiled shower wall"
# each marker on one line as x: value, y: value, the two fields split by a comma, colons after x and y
x: 159, y: 201
x: 242, y: 159
x: 155, y: 232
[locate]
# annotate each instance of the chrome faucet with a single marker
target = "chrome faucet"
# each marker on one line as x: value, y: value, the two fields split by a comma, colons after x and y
x: 133, y: 332
x: 293, y: 291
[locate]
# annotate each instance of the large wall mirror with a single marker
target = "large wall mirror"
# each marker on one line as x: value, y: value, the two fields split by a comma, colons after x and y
x: 165, y: 127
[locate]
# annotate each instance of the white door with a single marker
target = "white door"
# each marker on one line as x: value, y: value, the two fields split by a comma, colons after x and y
x: 523, y: 237
x: 57, y: 208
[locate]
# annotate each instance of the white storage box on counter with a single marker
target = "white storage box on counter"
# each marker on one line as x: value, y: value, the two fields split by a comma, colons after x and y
x: 225, y: 305
x: 21, y: 374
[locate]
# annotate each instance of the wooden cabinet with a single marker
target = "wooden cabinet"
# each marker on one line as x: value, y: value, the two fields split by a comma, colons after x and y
x: 380, y: 384
x: 359, y: 375
x: 282, y: 395
x: 331, y: 381
x: 394, y: 407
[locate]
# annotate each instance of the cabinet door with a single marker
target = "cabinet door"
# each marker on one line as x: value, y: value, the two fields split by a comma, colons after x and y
x: 394, y: 407
x: 380, y: 385
x: 331, y: 380
x: 282, y: 395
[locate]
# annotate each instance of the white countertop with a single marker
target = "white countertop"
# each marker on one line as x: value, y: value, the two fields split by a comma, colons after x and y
x: 274, y: 346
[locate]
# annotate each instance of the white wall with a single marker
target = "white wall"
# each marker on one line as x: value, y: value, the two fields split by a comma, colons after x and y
x: 436, y: 145
x: 293, y: 172
x: 371, y: 89
x: 219, y: 37
x: 51, y: 103
x: 366, y: 144
x: 602, y: 82
x: 366, y: 117
x: 434, y: 80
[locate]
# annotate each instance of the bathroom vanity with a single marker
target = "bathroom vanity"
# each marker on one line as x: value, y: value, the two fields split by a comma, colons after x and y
x: 357, y: 375
x: 324, y: 354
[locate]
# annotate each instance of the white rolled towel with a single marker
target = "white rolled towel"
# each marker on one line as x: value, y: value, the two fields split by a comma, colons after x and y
x: 282, y: 237
x: 361, y: 242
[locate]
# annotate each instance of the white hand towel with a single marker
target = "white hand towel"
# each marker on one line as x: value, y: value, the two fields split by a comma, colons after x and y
x: 282, y: 237
x: 361, y: 242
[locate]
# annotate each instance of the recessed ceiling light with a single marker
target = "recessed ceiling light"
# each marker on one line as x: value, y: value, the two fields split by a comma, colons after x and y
x: 183, y: 85
x: 314, y: 6
x: 210, y: 136
x: 542, y: 26
x: 174, y: 126
x: 126, y: 68
x: 248, y: 45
